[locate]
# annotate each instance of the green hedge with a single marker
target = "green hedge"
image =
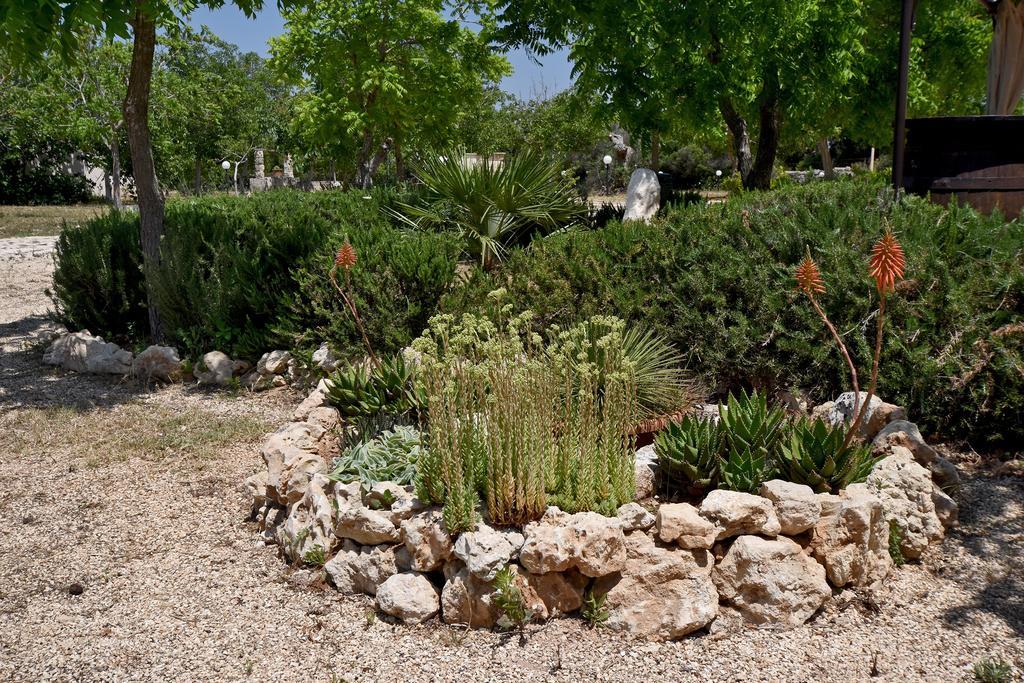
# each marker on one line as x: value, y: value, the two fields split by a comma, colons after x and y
x: 245, y: 275
x: 717, y: 281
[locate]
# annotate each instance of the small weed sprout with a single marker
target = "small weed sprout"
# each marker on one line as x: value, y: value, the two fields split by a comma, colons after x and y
x: 315, y: 557
x: 370, y: 618
x: 594, y: 610
x: 509, y: 599
x: 992, y: 670
x: 896, y: 544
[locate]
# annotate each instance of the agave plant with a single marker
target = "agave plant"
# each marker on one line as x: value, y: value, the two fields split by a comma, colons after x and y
x: 495, y: 207
x: 689, y: 454
x: 818, y: 455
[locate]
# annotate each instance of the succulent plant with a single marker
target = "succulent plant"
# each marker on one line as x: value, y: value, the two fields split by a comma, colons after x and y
x: 391, y: 456
x: 362, y: 390
x: 816, y: 454
x: 689, y: 454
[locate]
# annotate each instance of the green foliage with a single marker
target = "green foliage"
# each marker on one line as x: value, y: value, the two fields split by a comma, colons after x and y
x: 512, y: 422
x: 244, y: 274
x: 594, y: 610
x: 390, y: 456
x: 509, y: 599
x: 493, y: 207
x: 689, y: 455
x: 753, y: 434
x: 814, y: 455
x: 364, y: 390
x: 720, y: 288
x: 97, y: 282
x: 896, y: 543
x: 992, y: 670
x: 315, y: 557
x: 608, y: 344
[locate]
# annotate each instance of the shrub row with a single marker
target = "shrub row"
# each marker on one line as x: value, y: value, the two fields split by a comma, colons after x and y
x: 244, y: 276
x: 717, y: 281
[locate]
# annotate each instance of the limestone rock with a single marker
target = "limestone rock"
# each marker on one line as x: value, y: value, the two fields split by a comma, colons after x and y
x: 736, y: 513
x: 326, y: 417
x: 851, y: 539
x: 681, y: 523
x: 316, y: 399
x: 157, y: 362
x: 946, y: 509
x: 559, y: 592
x: 771, y: 581
x: 365, y: 526
x: 643, y: 196
x: 907, y: 435
x: 254, y: 489
x: 310, y: 522
x: 796, y: 505
x: 660, y: 593
x: 361, y: 569
x: 290, y: 466
x: 467, y: 600
x: 409, y: 597
x: 82, y: 352
x: 273, y: 363
x: 486, y: 550
x: 634, y: 516
x: 590, y: 542
x: 324, y: 359
x: 214, y: 369
x: 427, y: 541
x: 878, y: 415
x: 944, y: 473
x: 645, y: 467
x: 905, y: 489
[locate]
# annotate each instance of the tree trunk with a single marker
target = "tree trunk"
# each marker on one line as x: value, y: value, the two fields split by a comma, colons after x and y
x: 147, y: 188
x: 760, y: 177
x: 363, y: 179
x: 115, y: 170
x: 826, y: 158
x: 197, y: 177
x: 740, y: 136
x: 399, y: 163
x: 655, y: 151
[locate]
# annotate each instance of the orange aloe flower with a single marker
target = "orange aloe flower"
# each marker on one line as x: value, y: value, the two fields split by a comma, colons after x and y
x: 346, y: 257
x: 887, y: 262
x: 808, y: 277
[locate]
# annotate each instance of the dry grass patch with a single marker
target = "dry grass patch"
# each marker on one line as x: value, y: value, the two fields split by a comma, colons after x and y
x: 36, y: 221
x: 134, y: 430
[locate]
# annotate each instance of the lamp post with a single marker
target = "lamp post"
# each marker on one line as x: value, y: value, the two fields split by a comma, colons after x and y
x: 607, y: 172
x: 226, y: 165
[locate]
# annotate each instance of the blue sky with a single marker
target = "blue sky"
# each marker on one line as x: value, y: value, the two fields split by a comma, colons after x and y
x: 528, y: 80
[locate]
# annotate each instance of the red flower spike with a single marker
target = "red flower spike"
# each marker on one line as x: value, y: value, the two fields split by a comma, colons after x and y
x: 888, y: 262
x: 808, y: 277
x: 346, y: 257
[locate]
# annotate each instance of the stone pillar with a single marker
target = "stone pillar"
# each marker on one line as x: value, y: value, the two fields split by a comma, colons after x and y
x: 258, y: 163
x: 289, y: 170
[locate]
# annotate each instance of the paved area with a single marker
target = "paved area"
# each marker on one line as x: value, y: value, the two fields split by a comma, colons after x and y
x: 26, y: 247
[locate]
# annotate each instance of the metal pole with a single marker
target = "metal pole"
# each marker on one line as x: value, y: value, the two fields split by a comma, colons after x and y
x: 900, y: 127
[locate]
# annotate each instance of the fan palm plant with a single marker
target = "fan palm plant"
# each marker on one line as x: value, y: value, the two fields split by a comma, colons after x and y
x: 494, y: 207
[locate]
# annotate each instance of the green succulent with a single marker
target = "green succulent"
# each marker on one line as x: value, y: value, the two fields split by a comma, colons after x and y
x: 815, y: 455
x: 391, y: 456
x: 689, y: 453
x: 753, y: 435
x: 362, y: 390
x: 745, y: 469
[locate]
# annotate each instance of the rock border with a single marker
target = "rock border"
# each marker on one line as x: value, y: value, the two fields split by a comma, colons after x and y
x: 665, y: 569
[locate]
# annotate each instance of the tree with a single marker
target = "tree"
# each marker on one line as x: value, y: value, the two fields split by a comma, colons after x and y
x: 383, y: 75
x: 31, y: 29
x: 754, y: 62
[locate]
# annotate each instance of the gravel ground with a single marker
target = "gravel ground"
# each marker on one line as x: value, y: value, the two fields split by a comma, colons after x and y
x: 143, y: 567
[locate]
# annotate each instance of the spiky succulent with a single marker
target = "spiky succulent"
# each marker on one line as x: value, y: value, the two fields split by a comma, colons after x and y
x: 689, y: 454
x: 363, y: 390
x: 753, y: 432
x: 745, y: 469
x: 815, y: 455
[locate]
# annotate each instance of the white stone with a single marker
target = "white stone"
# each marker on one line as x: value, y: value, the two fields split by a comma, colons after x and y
x: 409, y: 597
x: 682, y: 524
x: 905, y: 489
x: 643, y: 196
x: 365, y: 526
x: 634, y: 516
x: 771, y: 581
x: 361, y: 569
x: 660, y: 593
x: 851, y: 539
x: 427, y: 540
x: 586, y: 540
x: 157, y: 362
x: 310, y: 522
x: 290, y: 466
x: 735, y: 513
x: 905, y: 434
x: 273, y: 363
x: 324, y: 358
x: 486, y: 550
x: 645, y: 467
x: 796, y: 505
x: 878, y: 415
x: 82, y: 352
x: 316, y: 399
x: 214, y: 369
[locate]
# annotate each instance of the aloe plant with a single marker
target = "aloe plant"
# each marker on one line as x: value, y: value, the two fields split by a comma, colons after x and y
x: 689, y: 454
x: 818, y: 455
x: 362, y: 390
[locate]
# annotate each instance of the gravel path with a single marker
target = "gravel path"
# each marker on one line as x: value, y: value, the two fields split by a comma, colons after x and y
x: 26, y: 247
x: 175, y: 587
